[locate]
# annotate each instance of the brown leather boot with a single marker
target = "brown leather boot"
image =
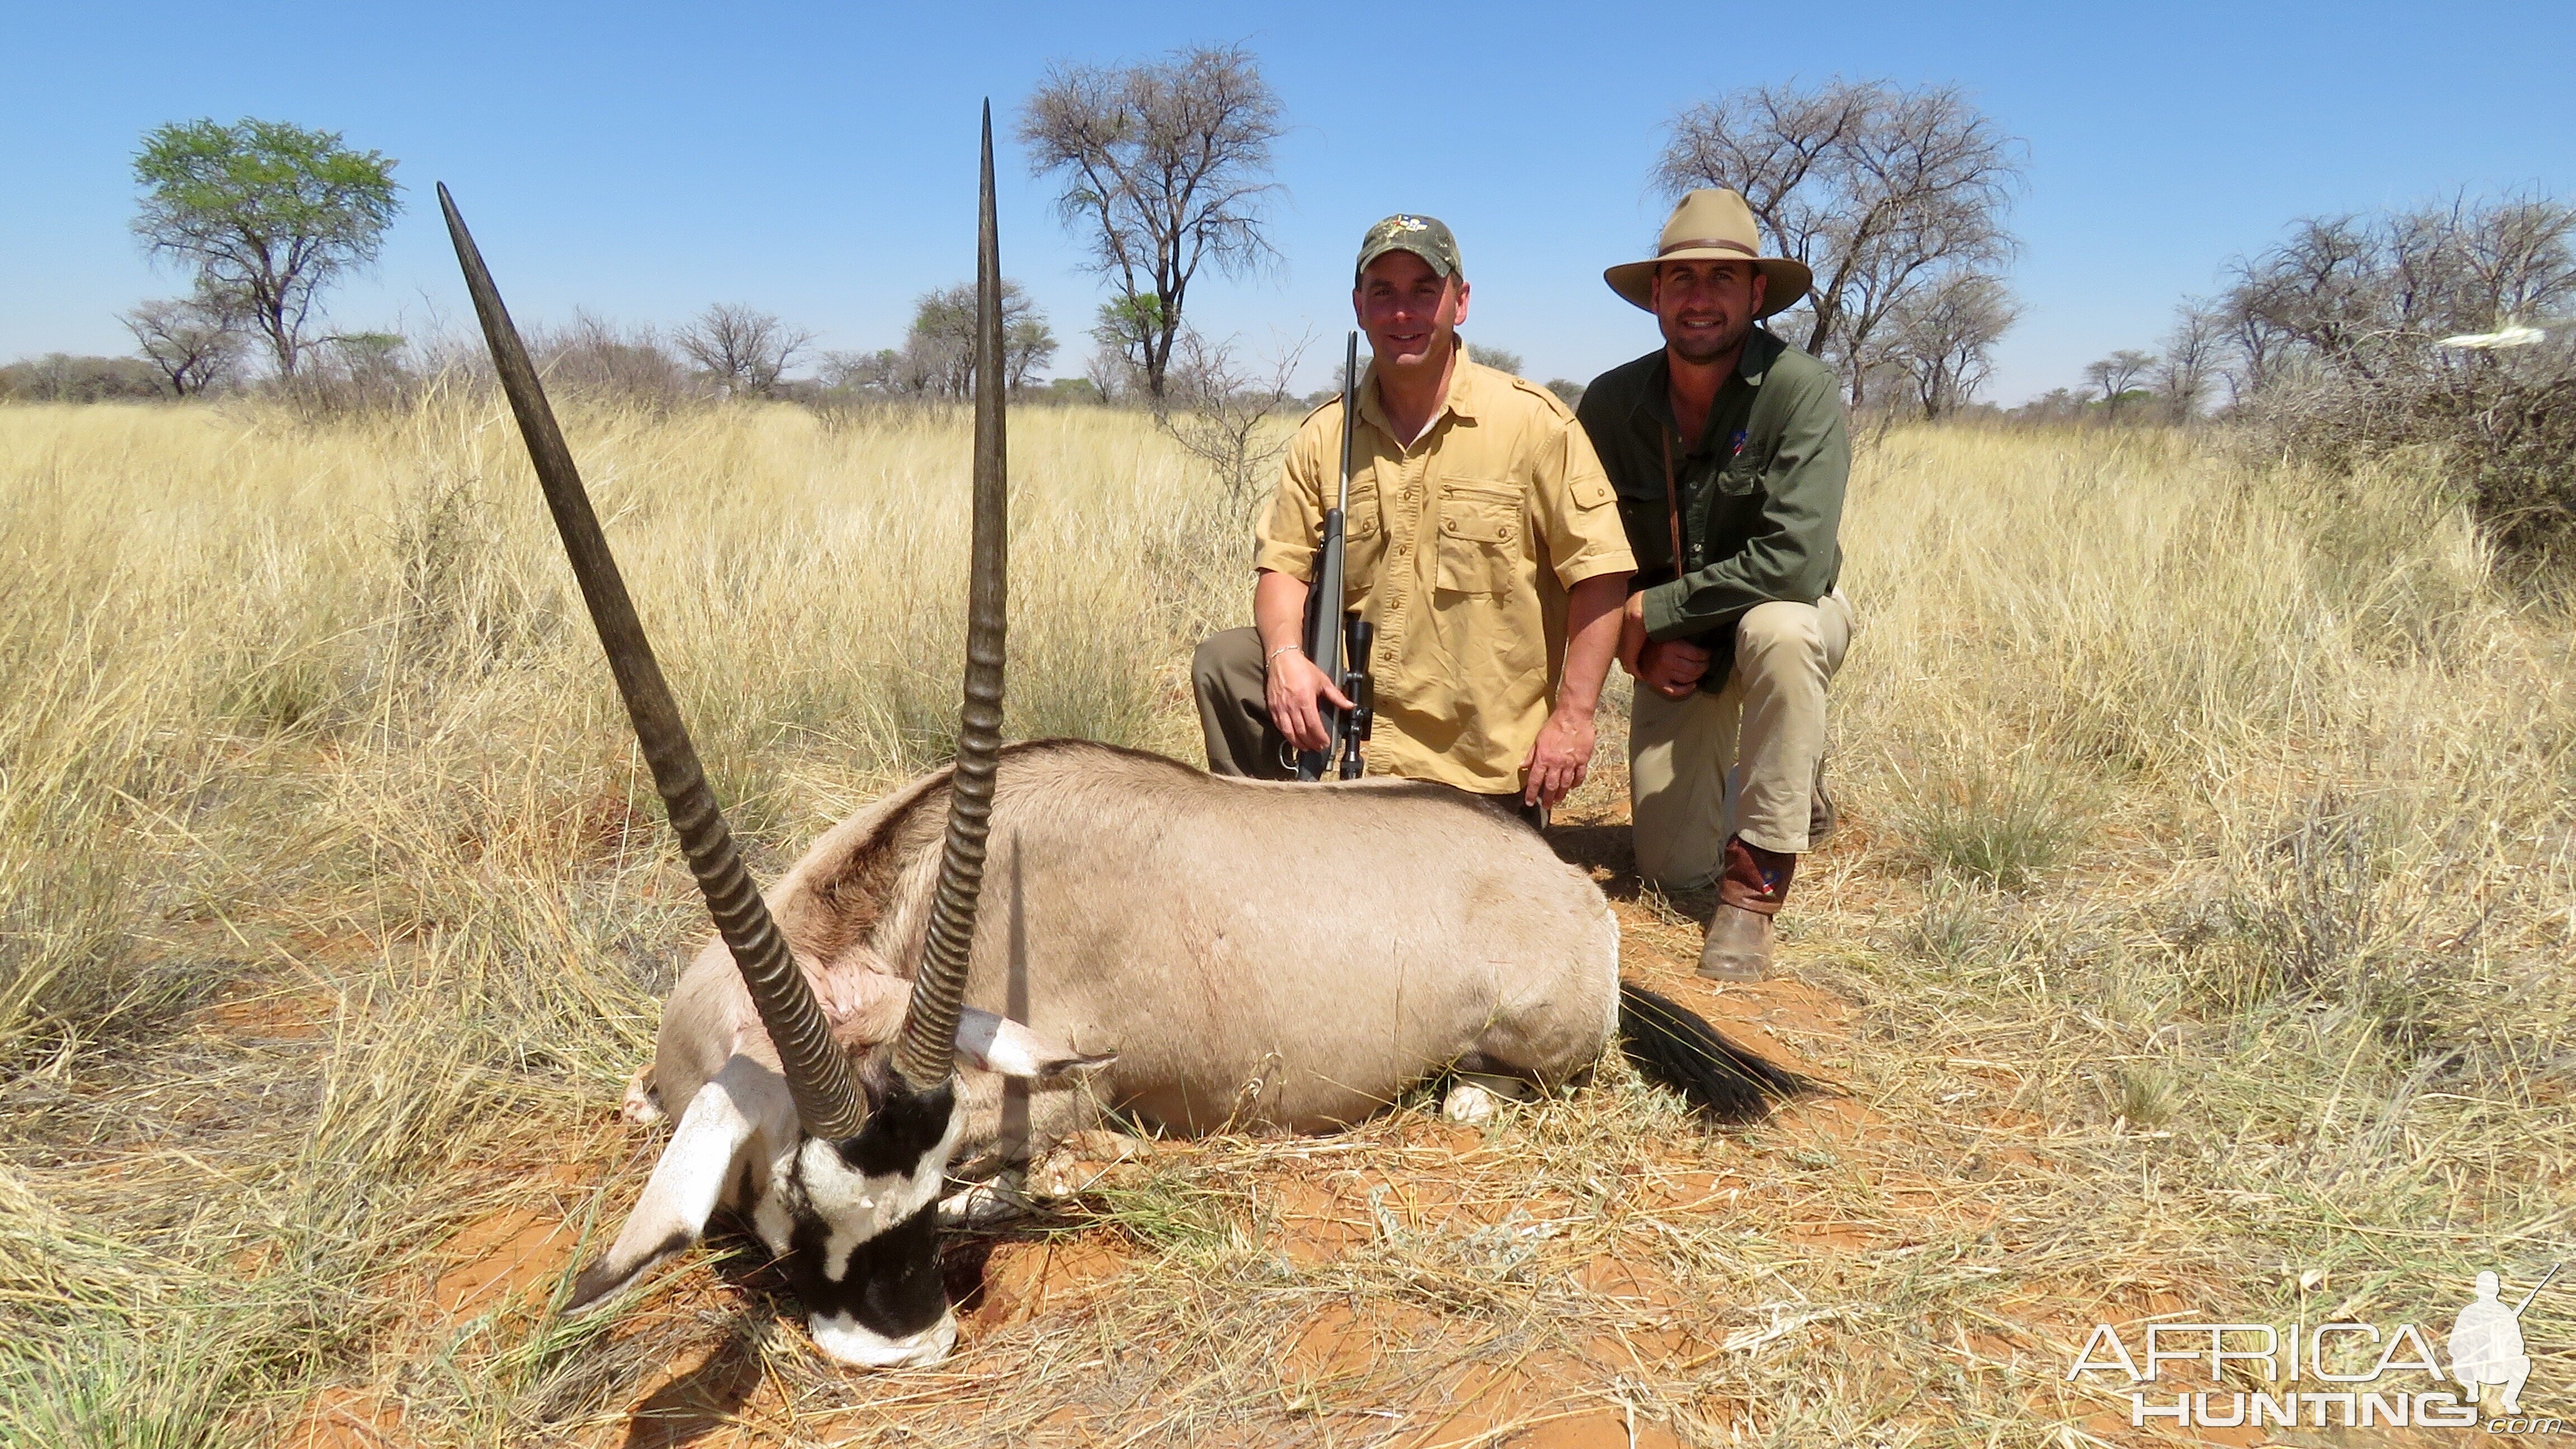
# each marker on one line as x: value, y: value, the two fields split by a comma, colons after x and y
x: 1738, y: 946
x: 1749, y: 895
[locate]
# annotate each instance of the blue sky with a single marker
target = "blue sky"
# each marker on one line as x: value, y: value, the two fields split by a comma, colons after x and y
x: 643, y: 160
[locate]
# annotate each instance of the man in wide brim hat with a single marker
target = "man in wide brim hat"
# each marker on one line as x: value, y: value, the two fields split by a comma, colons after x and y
x: 1728, y: 452
x: 1716, y: 226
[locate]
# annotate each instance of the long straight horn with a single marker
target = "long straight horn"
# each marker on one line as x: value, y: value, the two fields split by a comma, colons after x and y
x: 818, y: 1075
x: 928, y: 1051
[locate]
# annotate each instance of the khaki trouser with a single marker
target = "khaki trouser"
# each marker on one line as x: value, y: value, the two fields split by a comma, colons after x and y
x: 1232, y: 683
x: 1742, y: 761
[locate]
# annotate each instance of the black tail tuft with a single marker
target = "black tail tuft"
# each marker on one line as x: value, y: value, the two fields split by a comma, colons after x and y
x: 1672, y: 1047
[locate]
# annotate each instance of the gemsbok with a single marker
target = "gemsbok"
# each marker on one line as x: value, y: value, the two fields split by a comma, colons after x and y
x: 1130, y: 939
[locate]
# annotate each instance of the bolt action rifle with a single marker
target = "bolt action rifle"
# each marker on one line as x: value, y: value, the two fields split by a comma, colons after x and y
x: 1327, y: 629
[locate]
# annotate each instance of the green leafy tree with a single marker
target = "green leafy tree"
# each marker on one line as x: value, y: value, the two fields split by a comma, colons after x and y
x: 266, y: 212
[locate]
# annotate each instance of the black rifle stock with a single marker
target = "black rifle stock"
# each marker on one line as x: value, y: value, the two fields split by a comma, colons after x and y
x: 1336, y: 644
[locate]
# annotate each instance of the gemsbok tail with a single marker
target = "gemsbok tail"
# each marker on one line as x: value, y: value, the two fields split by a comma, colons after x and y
x: 1672, y: 1047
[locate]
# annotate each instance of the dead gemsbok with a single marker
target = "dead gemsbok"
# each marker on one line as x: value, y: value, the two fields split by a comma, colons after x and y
x: 1179, y: 950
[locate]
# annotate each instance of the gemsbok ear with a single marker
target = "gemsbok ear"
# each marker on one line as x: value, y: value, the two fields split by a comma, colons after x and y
x: 706, y: 1150
x: 999, y: 1044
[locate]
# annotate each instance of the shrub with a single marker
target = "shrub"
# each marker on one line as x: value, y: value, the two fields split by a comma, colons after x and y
x: 2503, y: 427
x: 60, y: 377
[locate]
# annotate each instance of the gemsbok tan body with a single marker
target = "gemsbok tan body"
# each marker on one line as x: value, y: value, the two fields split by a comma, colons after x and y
x: 1116, y: 932
x: 1248, y: 953
x: 1170, y: 951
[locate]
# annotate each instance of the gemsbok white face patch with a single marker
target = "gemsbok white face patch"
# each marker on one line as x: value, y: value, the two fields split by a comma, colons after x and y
x: 727, y: 1123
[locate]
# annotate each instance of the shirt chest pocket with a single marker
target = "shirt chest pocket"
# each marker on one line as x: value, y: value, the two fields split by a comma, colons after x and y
x: 1481, y: 530
x: 1741, y: 475
x: 1363, y: 519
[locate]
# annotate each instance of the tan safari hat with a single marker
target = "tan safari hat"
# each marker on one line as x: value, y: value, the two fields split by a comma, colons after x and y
x: 1713, y: 224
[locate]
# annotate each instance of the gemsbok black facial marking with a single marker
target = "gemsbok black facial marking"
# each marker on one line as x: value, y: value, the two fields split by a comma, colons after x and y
x: 862, y: 1241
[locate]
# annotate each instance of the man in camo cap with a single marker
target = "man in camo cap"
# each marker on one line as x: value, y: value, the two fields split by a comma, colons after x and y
x: 1482, y: 543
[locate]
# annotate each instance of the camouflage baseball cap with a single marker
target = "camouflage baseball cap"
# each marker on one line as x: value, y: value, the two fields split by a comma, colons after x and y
x: 1426, y: 237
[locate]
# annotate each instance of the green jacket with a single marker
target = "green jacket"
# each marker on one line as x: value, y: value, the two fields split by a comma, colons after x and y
x: 1760, y: 494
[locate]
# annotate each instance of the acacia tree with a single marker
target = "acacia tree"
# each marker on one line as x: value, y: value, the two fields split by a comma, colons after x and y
x: 745, y: 350
x: 192, y: 340
x: 1882, y: 191
x: 939, y: 353
x: 2117, y: 374
x: 1943, y: 338
x: 1165, y: 168
x: 593, y: 354
x: 267, y: 213
x: 2190, y: 356
x: 862, y: 372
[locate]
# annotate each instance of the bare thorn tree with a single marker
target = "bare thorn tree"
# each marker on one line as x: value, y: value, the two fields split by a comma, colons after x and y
x: 2339, y: 352
x: 1113, y: 371
x: 2362, y: 296
x: 1943, y: 339
x: 194, y: 341
x: 2190, y: 358
x: 1881, y: 191
x: 743, y: 350
x: 1220, y: 410
x: 1166, y: 169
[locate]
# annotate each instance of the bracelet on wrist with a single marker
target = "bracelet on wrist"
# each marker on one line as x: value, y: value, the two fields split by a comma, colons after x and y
x: 1282, y: 649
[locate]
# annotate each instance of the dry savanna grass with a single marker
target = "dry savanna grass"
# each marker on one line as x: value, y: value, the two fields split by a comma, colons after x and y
x: 2196, y: 948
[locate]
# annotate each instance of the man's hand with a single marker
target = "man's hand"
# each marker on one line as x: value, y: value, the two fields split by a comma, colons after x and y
x: 1291, y: 690
x: 1559, y: 760
x: 1672, y: 670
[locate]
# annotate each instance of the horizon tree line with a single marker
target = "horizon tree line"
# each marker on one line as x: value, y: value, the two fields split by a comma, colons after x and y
x: 1896, y: 198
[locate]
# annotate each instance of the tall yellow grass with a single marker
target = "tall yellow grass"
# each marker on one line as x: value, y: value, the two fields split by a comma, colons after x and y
x: 2230, y: 802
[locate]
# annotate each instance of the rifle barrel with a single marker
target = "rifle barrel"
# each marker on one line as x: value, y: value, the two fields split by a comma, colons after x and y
x: 1350, y: 410
x: 2536, y: 1287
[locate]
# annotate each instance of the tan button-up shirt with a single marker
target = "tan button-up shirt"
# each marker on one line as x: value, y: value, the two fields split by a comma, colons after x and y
x: 1460, y: 551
